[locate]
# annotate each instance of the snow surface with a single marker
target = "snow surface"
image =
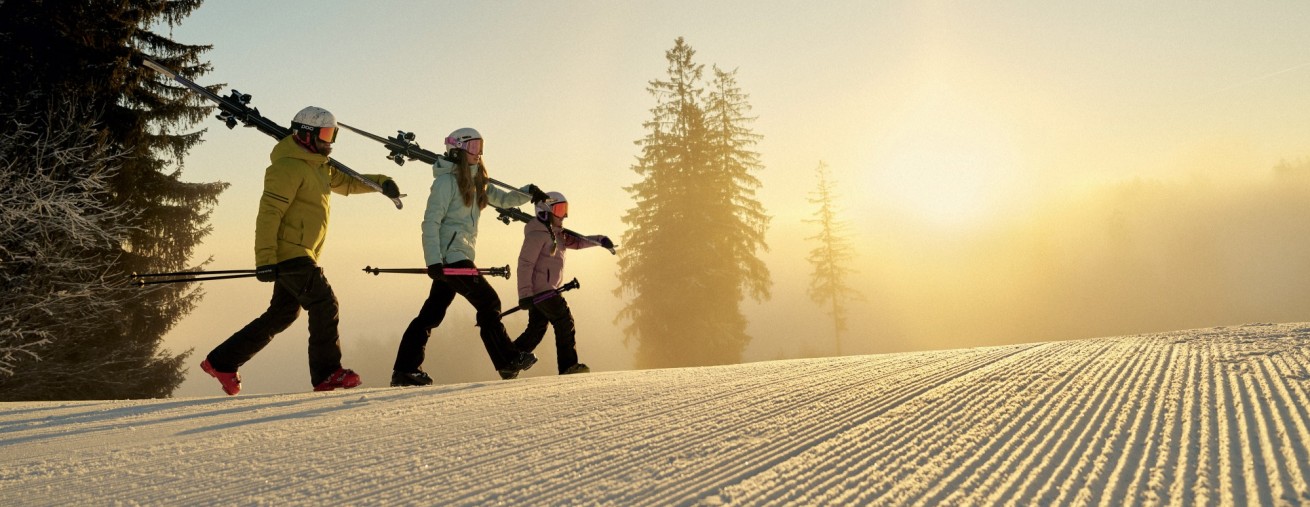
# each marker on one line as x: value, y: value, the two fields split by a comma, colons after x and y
x: 1212, y: 416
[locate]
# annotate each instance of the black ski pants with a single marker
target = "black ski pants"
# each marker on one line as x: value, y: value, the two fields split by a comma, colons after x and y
x: 554, y: 312
x: 483, y: 298
x: 300, y: 284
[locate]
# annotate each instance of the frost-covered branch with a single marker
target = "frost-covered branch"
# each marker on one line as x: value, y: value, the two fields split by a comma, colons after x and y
x: 56, y: 220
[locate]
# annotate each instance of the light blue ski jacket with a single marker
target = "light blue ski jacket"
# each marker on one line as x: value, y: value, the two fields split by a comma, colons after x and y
x: 450, y: 229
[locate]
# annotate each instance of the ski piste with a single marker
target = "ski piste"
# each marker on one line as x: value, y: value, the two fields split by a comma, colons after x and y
x: 403, y: 146
x: 236, y: 107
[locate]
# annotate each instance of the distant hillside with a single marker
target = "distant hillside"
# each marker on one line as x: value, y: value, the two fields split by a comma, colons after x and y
x: 1206, y: 416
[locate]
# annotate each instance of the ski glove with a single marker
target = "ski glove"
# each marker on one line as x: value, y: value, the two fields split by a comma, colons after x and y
x: 537, y: 194
x: 435, y: 272
x: 390, y: 189
x: 605, y: 242
x: 525, y: 303
x: 266, y: 273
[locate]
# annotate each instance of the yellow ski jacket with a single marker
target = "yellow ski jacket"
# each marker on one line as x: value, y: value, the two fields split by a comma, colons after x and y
x: 293, y: 212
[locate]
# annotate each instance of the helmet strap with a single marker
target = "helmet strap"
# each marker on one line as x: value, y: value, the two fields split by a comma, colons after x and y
x: 306, y: 142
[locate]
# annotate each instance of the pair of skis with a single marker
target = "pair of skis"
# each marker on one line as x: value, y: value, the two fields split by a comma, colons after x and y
x: 236, y: 108
x: 403, y: 147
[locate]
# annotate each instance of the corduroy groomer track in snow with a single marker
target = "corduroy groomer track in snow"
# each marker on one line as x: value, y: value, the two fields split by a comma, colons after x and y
x: 1210, y: 416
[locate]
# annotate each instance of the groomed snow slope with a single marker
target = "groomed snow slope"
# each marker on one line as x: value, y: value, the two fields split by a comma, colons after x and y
x: 1206, y: 416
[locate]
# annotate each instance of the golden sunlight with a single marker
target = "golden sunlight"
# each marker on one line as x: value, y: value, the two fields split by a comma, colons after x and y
x: 946, y: 163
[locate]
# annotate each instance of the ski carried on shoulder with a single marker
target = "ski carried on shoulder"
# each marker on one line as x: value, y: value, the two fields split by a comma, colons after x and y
x: 236, y: 107
x: 403, y: 147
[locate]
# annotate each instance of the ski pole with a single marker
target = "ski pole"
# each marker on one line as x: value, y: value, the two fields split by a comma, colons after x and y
x: 502, y: 271
x: 140, y: 283
x: 546, y: 294
x: 191, y: 273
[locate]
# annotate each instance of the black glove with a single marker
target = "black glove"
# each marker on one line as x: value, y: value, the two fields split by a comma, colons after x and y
x: 435, y: 273
x: 537, y: 194
x: 525, y: 303
x: 606, y: 243
x: 390, y: 189
x: 266, y: 273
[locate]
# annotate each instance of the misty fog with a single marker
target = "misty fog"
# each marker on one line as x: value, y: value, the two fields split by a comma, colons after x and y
x: 1138, y: 256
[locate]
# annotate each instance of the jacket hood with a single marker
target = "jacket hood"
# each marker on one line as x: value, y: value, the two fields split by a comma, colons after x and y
x: 442, y: 166
x: 287, y: 148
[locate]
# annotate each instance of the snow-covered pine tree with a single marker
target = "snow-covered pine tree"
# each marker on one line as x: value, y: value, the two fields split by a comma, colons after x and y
x: 690, y: 244
x: 81, y: 53
x: 55, y: 219
x: 831, y: 258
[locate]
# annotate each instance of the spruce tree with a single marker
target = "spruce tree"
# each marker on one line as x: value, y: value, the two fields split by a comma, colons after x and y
x: 54, y: 53
x: 690, y: 245
x: 831, y: 258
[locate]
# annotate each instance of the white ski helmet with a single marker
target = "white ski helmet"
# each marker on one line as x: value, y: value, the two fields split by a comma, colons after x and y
x: 463, y: 138
x: 552, y: 205
x: 316, y: 122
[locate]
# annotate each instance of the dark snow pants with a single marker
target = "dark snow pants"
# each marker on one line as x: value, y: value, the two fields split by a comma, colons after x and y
x: 300, y: 284
x: 554, y: 312
x: 483, y: 298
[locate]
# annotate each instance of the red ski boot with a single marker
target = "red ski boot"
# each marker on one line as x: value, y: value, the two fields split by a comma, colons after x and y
x: 342, y: 378
x: 231, y: 381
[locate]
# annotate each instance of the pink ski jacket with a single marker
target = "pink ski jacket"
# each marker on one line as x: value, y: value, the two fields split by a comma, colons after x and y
x: 539, y: 269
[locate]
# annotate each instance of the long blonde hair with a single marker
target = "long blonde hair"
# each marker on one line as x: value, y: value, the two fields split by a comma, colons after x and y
x: 472, y: 188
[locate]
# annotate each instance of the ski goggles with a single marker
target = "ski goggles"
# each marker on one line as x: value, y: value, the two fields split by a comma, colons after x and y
x: 560, y: 209
x: 326, y: 134
x: 472, y: 146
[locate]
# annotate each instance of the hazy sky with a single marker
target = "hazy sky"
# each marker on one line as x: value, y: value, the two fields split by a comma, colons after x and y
x: 972, y: 141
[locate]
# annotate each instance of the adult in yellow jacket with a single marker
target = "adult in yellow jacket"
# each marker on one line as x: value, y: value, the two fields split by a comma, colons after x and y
x: 289, y: 234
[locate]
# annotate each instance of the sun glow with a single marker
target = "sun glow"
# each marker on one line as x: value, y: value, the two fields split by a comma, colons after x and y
x: 946, y: 163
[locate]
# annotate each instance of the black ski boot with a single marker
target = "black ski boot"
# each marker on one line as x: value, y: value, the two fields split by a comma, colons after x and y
x: 413, y: 378
x: 524, y: 361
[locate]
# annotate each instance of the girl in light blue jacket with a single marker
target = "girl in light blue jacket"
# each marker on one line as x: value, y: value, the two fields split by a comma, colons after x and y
x: 450, y: 235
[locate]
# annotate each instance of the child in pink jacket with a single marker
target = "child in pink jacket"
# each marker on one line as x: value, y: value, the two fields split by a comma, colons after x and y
x: 541, y: 266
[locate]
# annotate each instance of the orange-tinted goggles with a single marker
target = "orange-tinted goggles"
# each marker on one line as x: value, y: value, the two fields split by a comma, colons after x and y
x: 328, y: 134
x: 560, y: 209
